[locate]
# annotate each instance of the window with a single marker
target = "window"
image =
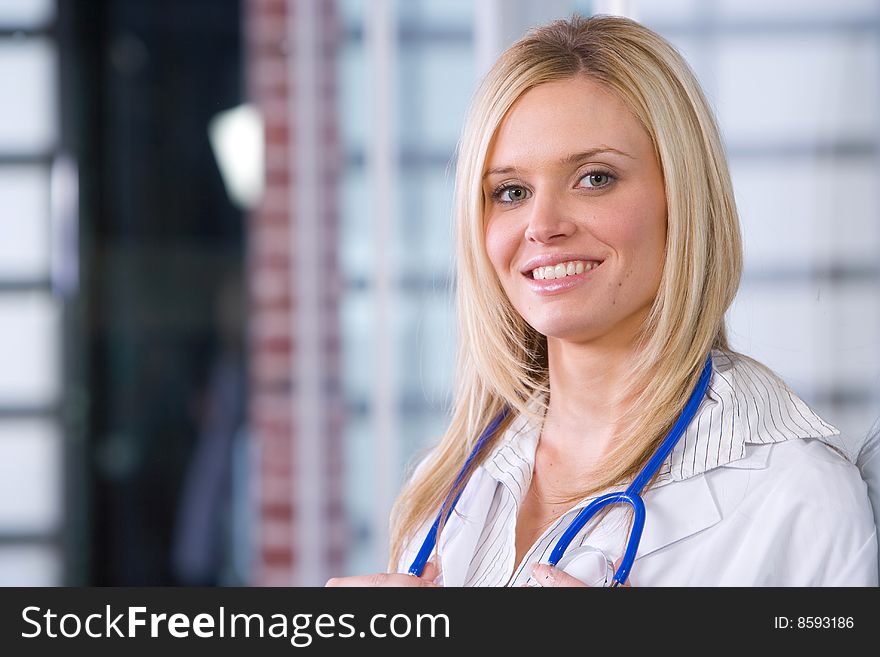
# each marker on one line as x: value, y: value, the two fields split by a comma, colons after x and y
x: 31, y: 448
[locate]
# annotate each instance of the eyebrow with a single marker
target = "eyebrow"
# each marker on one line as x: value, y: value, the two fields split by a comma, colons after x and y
x: 569, y: 159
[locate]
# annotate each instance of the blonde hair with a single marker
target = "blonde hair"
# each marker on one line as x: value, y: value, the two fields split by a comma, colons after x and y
x: 501, y: 360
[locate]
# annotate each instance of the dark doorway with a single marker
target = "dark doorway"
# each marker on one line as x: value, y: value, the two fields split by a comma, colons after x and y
x: 162, y: 261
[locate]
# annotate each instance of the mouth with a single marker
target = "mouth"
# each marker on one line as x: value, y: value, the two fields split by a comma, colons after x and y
x: 562, y: 270
x: 555, y: 279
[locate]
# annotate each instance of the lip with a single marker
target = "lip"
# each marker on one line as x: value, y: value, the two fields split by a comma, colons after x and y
x: 554, y: 259
x: 551, y: 286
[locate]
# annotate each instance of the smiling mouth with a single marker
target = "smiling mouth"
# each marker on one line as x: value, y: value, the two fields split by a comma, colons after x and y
x: 562, y: 270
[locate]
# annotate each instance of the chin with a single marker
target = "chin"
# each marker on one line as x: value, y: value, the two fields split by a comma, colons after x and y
x: 567, y: 331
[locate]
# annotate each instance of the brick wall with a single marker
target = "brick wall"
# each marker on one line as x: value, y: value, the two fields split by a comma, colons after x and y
x: 273, y: 347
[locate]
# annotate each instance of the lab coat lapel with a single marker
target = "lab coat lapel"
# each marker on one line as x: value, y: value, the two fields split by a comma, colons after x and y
x: 675, y: 511
x: 458, y: 540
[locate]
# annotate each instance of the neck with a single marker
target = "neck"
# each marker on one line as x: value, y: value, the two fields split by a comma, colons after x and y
x: 586, y: 397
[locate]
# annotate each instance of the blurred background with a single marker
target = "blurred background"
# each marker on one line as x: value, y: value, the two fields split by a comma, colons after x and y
x: 225, y: 245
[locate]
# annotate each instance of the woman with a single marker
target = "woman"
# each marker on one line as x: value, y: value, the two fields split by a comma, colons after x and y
x: 598, y: 250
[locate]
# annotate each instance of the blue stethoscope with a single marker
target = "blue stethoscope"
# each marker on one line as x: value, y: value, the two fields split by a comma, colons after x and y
x: 631, y: 496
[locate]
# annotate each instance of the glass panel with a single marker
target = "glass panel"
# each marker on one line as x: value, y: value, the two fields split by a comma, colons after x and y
x: 438, y: 13
x: 516, y: 17
x: 776, y: 324
x: 815, y: 334
x: 851, y: 313
x: 356, y: 316
x: 30, y: 476
x: 782, y: 88
x: 700, y: 56
x: 665, y: 12
x: 419, y: 433
x: 821, y: 338
x: 437, y: 345
x: 356, y: 234
x: 354, y: 96
x: 425, y: 228
x: 29, y: 565
x: 851, y: 229
x: 802, y: 211
x: 28, y: 97
x: 360, y: 493
x: 426, y: 346
x: 29, y: 343
x: 26, y: 13
x: 797, y: 9
x: 351, y: 12
x: 24, y: 223
x: 436, y: 82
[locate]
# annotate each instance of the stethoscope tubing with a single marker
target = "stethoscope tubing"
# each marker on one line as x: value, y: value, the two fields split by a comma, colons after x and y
x: 631, y: 496
x: 418, y: 565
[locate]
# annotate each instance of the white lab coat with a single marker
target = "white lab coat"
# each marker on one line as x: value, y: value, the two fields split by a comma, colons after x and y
x: 751, y: 496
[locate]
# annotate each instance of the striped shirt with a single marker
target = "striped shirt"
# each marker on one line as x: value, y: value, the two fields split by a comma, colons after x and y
x: 743, y: 407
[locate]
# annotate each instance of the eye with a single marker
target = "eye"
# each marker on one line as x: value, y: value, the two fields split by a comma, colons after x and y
x: 597, y: 179
x: 510, y: 194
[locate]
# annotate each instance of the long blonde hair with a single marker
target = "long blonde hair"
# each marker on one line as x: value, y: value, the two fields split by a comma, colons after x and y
x: 501, y: 360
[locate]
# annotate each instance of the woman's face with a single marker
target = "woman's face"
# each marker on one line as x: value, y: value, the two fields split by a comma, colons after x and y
x: 573, y: 190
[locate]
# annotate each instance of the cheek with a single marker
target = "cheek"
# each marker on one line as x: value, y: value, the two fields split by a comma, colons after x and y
x: 501, y: 246
x: 639, y: 235
x: 641, y: 218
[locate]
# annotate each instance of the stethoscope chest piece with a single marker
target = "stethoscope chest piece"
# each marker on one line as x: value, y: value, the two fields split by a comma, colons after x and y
x: 589, y: 565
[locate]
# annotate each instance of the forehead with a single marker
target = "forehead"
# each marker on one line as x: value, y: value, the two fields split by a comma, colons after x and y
x: 565, y: 116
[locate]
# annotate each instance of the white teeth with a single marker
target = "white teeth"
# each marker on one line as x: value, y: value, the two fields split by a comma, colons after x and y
x: 563, y: 269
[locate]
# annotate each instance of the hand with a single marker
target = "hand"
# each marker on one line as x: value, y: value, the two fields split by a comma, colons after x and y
x: 430, y: 573
x: 548, y: 576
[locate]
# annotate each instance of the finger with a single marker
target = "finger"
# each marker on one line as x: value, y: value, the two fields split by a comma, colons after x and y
x: 550, y: 576
x: 383, y: 580
x: 431, y: 572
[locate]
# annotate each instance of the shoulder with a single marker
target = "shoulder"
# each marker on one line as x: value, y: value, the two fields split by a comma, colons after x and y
x: 804, y: 472
x: 813, y: 468
x: 809, y: 507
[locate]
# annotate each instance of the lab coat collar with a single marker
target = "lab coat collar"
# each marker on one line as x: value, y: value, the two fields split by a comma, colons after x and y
x: 665, y: 523
x: 459, y: 538
x: 744, y: 406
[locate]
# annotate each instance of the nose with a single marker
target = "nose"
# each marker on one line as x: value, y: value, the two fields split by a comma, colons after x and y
x: 548, y: 220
